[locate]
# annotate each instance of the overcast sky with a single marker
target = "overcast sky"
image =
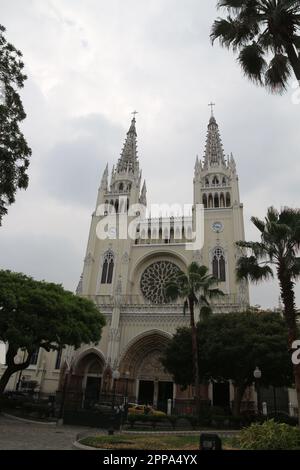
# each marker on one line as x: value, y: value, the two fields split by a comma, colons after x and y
x: 90, y: 63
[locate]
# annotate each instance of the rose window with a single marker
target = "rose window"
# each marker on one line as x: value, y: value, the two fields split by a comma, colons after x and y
x: 155, y: 279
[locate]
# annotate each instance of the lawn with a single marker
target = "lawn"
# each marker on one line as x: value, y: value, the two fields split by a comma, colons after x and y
x: 148, y: 442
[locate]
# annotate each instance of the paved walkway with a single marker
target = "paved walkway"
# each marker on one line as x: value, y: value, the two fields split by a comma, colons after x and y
x: 20, y: 435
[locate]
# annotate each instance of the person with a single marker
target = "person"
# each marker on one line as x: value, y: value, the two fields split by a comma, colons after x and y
x: 147, y: 409
x: 51, y: 406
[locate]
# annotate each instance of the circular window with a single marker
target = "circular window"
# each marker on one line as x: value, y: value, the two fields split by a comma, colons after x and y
x: 155, y: 279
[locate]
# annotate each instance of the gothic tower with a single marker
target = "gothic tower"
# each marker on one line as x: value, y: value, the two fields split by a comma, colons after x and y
x: 216, y: 186
x: 105, y: 273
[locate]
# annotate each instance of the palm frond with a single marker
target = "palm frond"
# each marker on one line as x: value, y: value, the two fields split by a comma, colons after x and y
x: 213, y: 293
x: 248, y: 268
x: 258, y: 249
x: 272, y: 215
x: 172, y: 291
x: 232, y: 4
x: 204, y: 300
x: 289, y: 216
x: 259, y: 224
x: 278, y: 74
x: 195, y: 268
x: 231, y: 32
x: 251, y: 59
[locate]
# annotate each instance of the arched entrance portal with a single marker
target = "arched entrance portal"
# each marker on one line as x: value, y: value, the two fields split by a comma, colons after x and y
x: 148, y: 383
x: 90, y: 367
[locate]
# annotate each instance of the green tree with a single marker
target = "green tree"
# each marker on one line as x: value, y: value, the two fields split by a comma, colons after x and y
x: 14, y: 151
x: 231, y: 345
x: 277, y: 250
x: 37, y: 314
x: 266, y: 35
x: 196, y: 287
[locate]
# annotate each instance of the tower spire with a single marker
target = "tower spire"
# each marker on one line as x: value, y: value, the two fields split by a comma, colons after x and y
x: 212, y: 108
x: 214, y: 153
x: 128, y: 161
x: 104, y: 180
x: 143, y: 196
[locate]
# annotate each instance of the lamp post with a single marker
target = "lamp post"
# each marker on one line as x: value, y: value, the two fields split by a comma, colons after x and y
x: 257, y: 376
x: 275, y: 400
x: 127, y: 374
x: 115, y: 376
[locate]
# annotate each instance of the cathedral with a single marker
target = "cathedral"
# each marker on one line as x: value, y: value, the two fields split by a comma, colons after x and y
x: 126, y: 278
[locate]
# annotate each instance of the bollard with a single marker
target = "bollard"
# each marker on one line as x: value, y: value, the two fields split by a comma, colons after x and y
x: 169, y: 412
x: 210, y: 442
x: 264, y: 408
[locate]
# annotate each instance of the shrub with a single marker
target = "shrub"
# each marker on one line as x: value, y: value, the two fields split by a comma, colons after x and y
x: 280, y: 417
x: 269, y: 436
x: 172, y: 420
x: 42, y: 410
x: 148, y: 419
x: 183, y: 421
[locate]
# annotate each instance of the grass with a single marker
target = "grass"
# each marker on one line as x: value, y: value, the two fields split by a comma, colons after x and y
x: 148, y: 442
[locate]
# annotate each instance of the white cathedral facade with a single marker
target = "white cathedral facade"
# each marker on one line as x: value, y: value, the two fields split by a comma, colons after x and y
x: 126, y: 279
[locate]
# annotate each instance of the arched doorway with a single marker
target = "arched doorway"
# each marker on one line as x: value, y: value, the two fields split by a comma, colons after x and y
x: 148, y: 383
x: 90, y: 367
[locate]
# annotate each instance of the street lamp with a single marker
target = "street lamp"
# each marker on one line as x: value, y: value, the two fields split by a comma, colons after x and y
x: 257, y: 376
x: 127, y: 374
x: 115, y: 376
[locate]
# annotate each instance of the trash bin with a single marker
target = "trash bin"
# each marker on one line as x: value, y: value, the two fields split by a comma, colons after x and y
x: 210, y: 442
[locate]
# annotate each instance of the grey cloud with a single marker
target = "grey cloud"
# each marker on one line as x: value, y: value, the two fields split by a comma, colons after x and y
x: 72, y: 169
x: 54, y: 259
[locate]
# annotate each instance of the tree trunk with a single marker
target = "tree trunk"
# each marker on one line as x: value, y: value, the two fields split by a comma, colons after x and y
x: 239, y: 391
x: 290, y: 314
x: 195, y: 356
x: 294, y: 59
x: 9, y: 371
x: 12, y: 368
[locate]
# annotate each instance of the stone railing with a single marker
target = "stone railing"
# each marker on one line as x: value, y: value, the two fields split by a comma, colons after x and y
x: 226, y: 302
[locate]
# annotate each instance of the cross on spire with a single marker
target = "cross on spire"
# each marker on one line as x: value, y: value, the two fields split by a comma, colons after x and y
x: 212, y: 107
x: 134, y: 113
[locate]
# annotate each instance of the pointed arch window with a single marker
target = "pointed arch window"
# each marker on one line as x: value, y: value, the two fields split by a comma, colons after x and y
x: 228, y: 200
x: 218, y: 264
x: 107, y: 268
x: 215, y: 181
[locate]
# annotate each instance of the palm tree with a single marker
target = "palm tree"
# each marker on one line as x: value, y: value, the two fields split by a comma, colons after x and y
x: 266, y: 35
x: 278, y: 248
x: 196, y: 287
